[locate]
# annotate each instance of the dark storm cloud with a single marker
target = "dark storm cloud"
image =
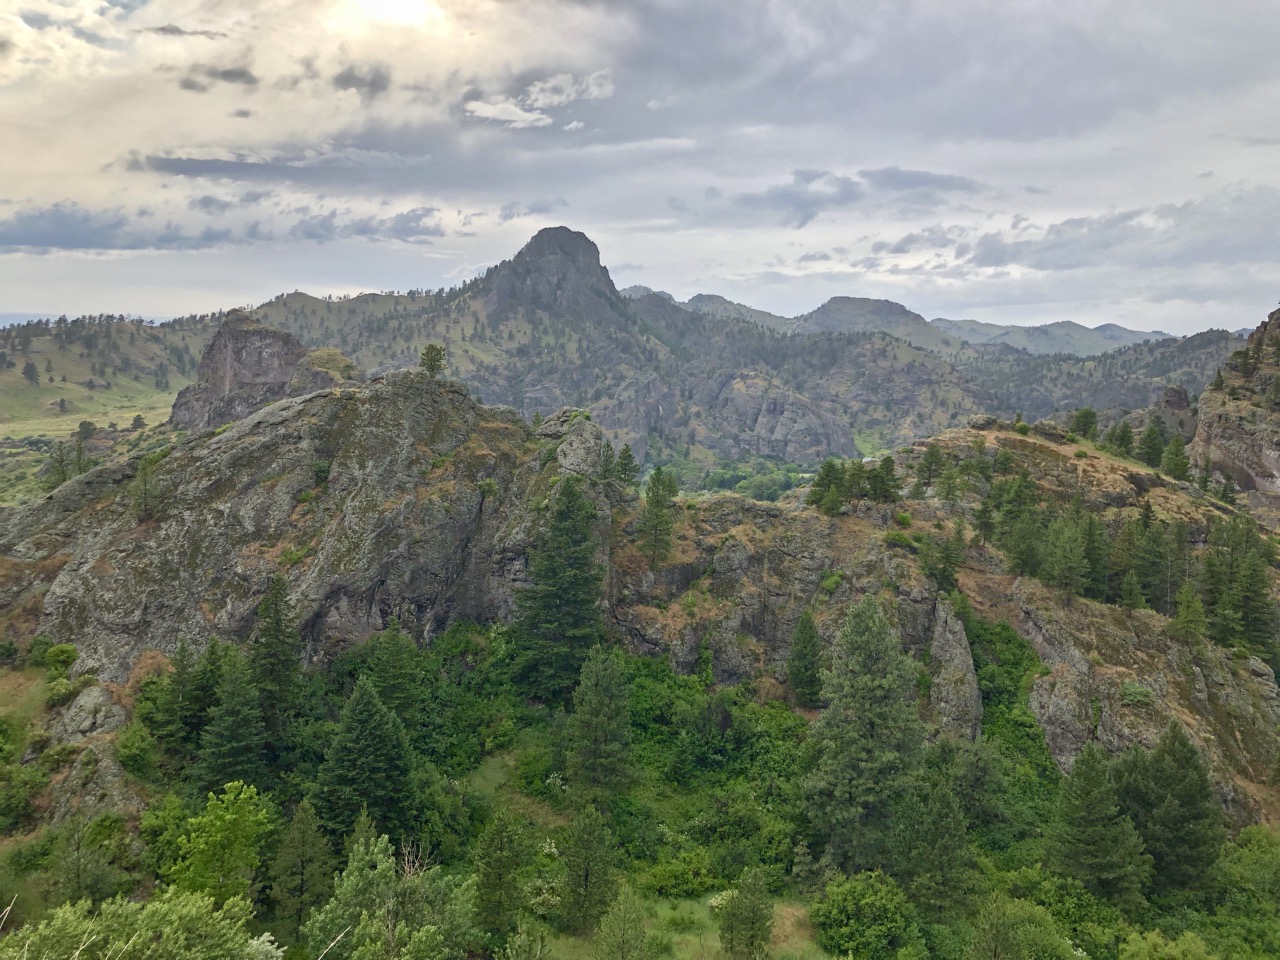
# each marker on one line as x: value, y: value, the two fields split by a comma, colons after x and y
x: 369, y: 82
x: 895, y: 178
x: 809, y: 193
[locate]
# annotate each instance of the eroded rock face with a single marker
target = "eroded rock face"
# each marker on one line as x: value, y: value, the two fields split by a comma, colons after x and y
x: 954, y: 693
x: 93, y: 711
x: 245, y: 367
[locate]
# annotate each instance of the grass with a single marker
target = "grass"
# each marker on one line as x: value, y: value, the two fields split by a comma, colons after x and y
x: 21, y: 698
x: 693, y: 936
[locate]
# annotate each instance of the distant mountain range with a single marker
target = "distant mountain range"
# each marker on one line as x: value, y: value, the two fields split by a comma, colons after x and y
x: 858, y: 314
x: 712, y: 380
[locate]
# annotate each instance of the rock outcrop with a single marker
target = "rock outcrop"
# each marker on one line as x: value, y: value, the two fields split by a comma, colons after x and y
x: 247, y: 366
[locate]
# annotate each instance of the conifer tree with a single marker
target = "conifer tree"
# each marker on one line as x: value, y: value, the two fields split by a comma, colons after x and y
x: 1167, y: 794
x: 1066, y: 563
x: 1131, y: 592
x: 1253, y: 603
x: 203, y: 693
x: 1091, y: 840
x: 501, y: 853
x: 395, y: 670
x: 746, y: 918
x: 608, y: 462
x: 931, y: 464
x: 588, y: 886
x: 233, y: 744
x: 804, y: 662
x: 1189, y: 621
x: 1151, y: 445
x: 829, y: 477
x: 367, y: 766
x: 1084, y: 423
x: 984, y: 523
x: 1120, y: 438
x: 865, y: 741
x: 274, y: 658
x: 559, y: 616
x: 928, y: 847
x: 627, y: 469
x: 622, y: 934
x: 1174, y: 461
x: 656, y: 520
x: 883, y: 485
x: 302, y: 871
x: 598, y: 752
x: 222, y: 848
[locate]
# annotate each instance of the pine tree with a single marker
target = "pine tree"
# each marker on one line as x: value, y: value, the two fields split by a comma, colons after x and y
x: 931, y: 464
x: 598, y: 752
x: 588, y: 885
x: 203, y: 692
x: 1151, y: 445
x: 1085, y: 423
x: 656, y: 519
x: 432, y: 359
x: 1252, y: 599
x: 222, y: 848
x: 501, y: 853
x: 830, y: 476
x: 395, y: 670
x: 622, y: 934
x: 1131, y: 592
x: 627, y: 469
x: 559, y: 615
x: 367, y: 766
x: 1066, y: 563
x: 804, y: 662
x: 883, y: 485
x: 1120, y: 438
x: 984, y: 523
x: 866, y: 740
x: 1189, y: 622
x: 274, y: 658
x: 1091, y: 840
x: 608, y: 462
x: 233, y: 744
x: 1174, y: 461
x: 1218, y: 382
x: 928, y: 848
x: 1167, y: 794
x: 746, y: 918
x: 302, y: 871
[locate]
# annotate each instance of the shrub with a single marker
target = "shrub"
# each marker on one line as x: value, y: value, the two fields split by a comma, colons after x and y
x: 866, y: 916
x: 1081, y: 454
x: 902, y: 519
x: 896, y: 538
x: 1022, y: 428
x: 831, y: 581
x: 61, y: 656
x: 1134, y: 694
x: 320, y: 471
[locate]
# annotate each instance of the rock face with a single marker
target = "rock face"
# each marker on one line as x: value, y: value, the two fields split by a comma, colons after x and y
x: 245, y: 367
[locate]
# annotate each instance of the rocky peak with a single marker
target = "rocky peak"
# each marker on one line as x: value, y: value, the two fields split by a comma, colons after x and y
x: 245, y: 367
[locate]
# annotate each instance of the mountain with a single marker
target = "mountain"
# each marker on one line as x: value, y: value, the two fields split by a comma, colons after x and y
x: 715, y: 306
x: 1064, y: 336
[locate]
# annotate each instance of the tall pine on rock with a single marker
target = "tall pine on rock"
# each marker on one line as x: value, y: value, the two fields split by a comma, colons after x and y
x: 559, y: 611
x: 866, y: 740
x: 597, y: 758
x: 367, y: 765
x: 804, y: 662
x: 274, y: 658
x: 233, y: 744
x: 1167, y: 794
x: 1092, y: 840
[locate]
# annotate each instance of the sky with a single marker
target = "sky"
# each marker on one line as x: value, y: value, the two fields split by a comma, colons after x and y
x: 1012, y: 162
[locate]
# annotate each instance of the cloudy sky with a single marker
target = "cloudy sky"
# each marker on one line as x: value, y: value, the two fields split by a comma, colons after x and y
x: 1006, y: 160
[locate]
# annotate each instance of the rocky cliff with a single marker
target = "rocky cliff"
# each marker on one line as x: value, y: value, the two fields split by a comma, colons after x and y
x: 406, y: 498
x: 247, y: 366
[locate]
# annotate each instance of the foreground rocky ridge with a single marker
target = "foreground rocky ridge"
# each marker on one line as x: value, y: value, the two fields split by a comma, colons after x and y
x: 405, y: 498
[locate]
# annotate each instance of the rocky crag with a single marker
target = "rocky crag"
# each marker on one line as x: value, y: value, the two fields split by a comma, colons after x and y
x: 406, y: 498
x: 247, y: 366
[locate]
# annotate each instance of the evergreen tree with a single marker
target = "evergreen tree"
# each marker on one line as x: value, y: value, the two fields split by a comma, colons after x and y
x: 746, y: 918
x: 1151, y: 445
x: 275, y: 658
x: 302, y: 871
x: 984, y: 523
x: 1175, y: 461
x: 233, y: 744
x: 804, y: 662
x: 1085, y: 423
x: 501, y: 853
x: 1189, y: 621
x: 1167, y: 794
x: 432, y: 359
x: 928, y: 848
x: 608, y: 462
x: 1097, y: 555
x: 1066, y: 563
x: 627, y: 469
x: 931, y: 464
x: 1131, y: 592
x: 622, y: 935
x: 883, y: 485
x: 867, y: 738
x: 598, y: 752
x: 1092, y: 841
x: 1252, y: 600
x: 395, y: 670
x: 559, y: 616
x: 830, y: 476
x: 587, y: 856
x: 1218, y: 382
x: 656, y: 518
x: 367, y: 766
x: 1120, y: 438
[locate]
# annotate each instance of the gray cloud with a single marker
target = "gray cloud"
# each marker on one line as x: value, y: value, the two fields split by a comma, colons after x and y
x: 515, y: 210
x: 68, y: 226
x: 418, y: 225
x: 369, y: 82
x: 210, y: 204
x: 6, y: 47
x: 809, y: 193
x: 813, y: 257
x: 895, y: 178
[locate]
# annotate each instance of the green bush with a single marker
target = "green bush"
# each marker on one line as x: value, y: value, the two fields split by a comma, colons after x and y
x: 866, y: 916
x: 687, y: 875
x: 137, y: 752
x: 1134, y: 694
x: 896, y: 538
x: 831, y: 581
x: 320, y: 472
x: 1022, y: 428
x: 902, y: 519
x: 60, y: 657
